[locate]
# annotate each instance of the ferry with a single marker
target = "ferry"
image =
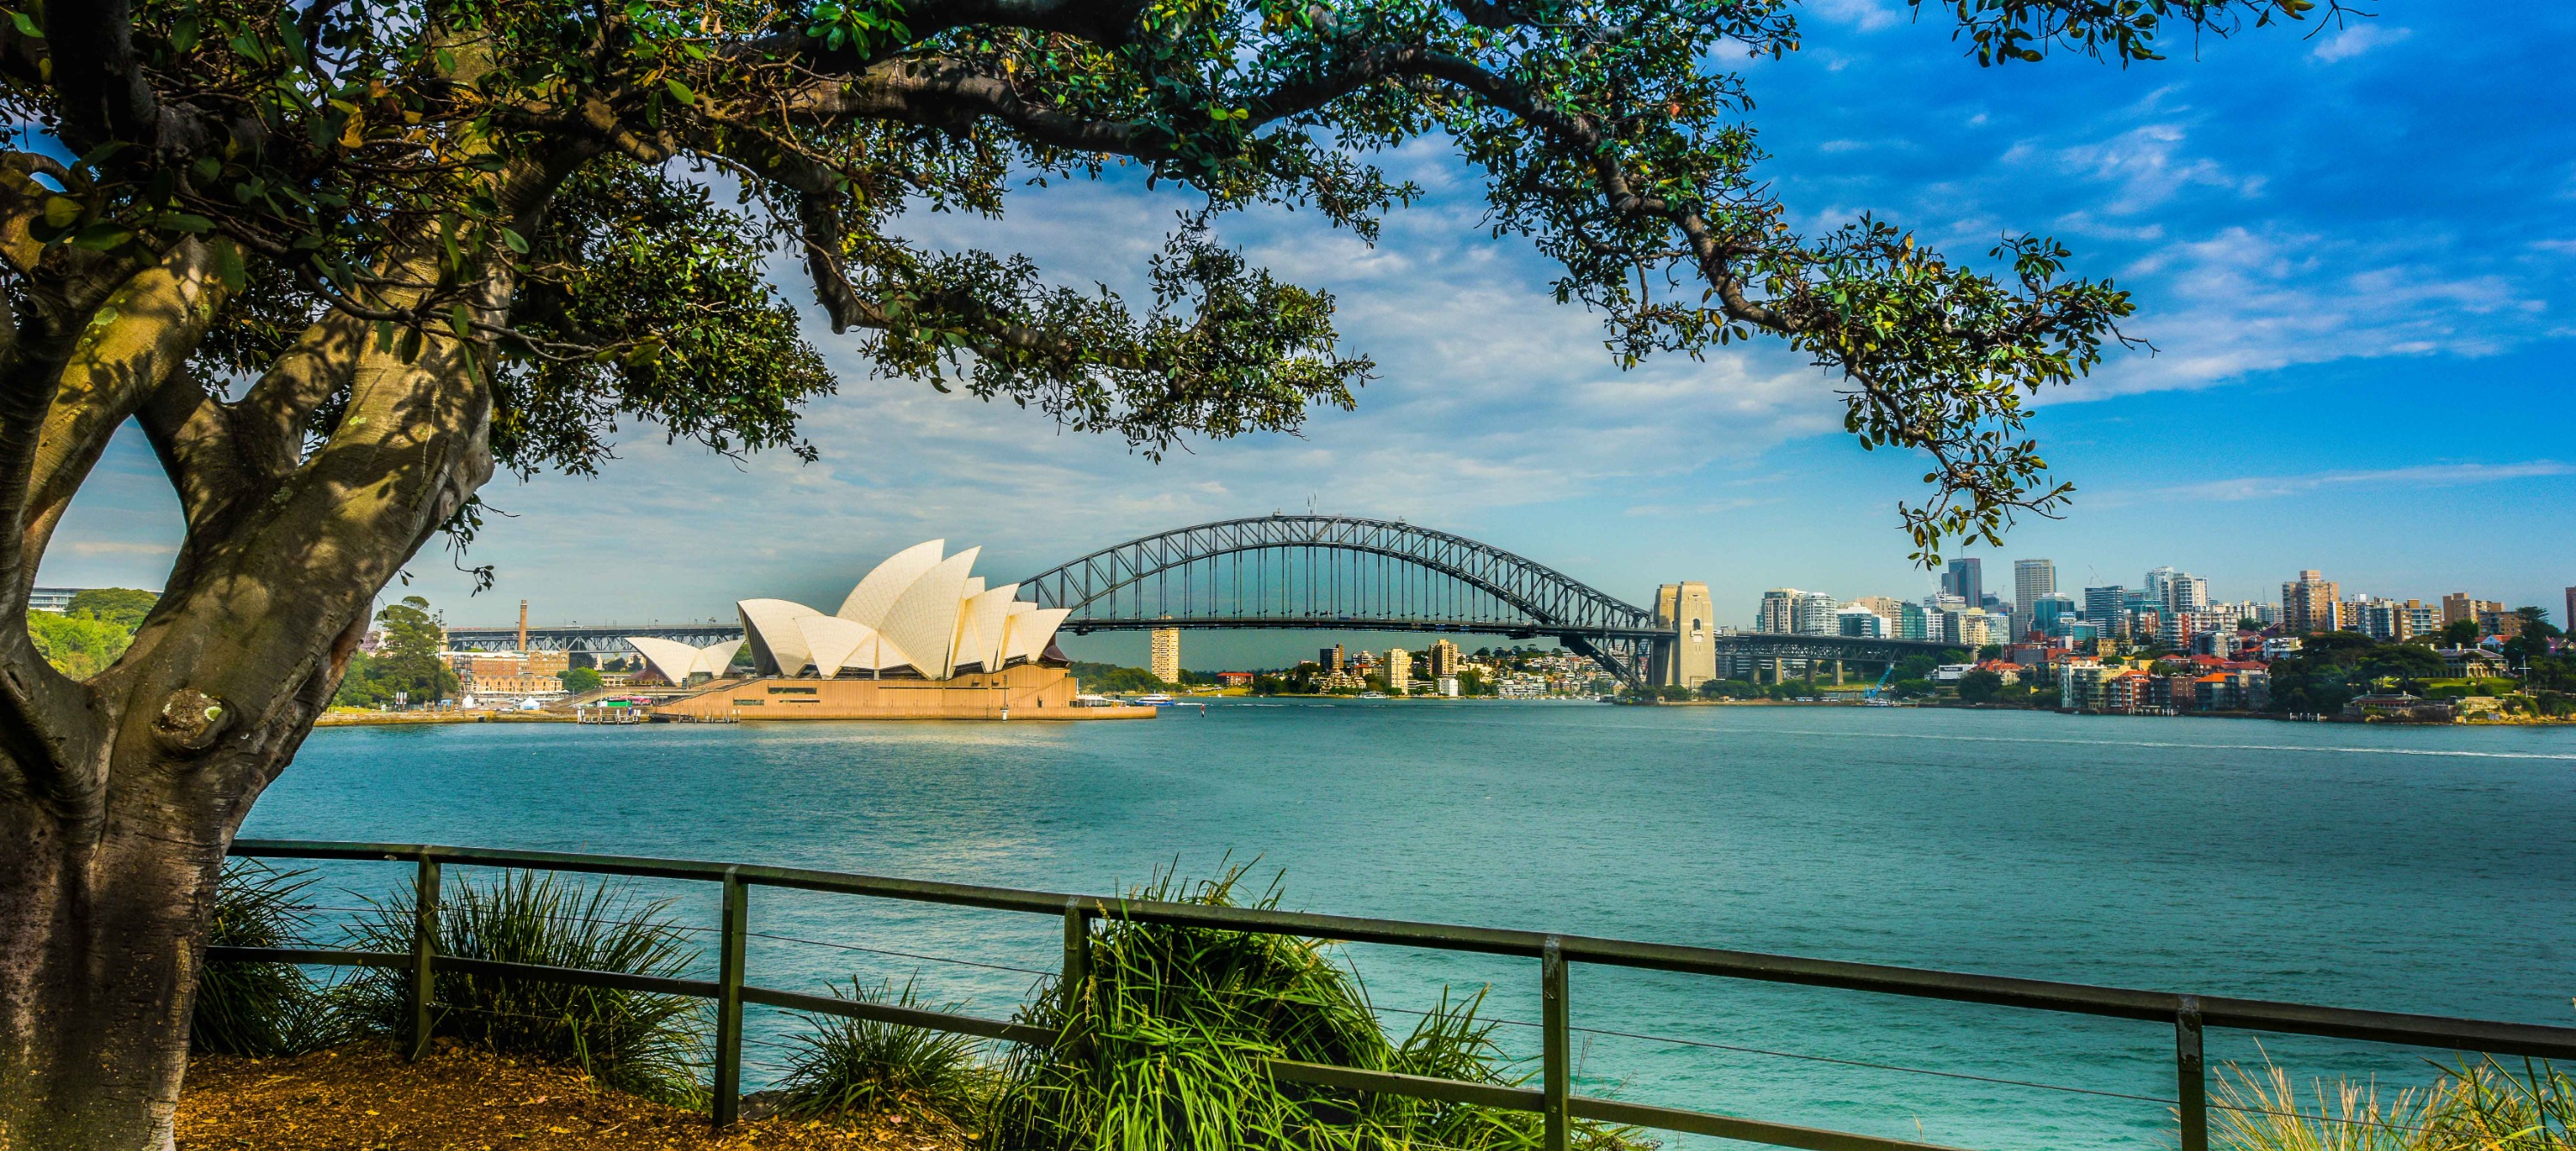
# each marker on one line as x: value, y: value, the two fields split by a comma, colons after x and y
x: 1156, y: 699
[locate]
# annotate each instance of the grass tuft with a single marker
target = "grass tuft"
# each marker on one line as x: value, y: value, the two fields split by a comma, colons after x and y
x: 844, y: 1067
x: 261, y: 1009
x: 1167, y: 1044
x: 640, y: 1042
x: 2479, y: 1105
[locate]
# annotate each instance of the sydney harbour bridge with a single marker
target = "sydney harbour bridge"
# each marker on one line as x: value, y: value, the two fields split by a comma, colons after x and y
x: 1338, y: 573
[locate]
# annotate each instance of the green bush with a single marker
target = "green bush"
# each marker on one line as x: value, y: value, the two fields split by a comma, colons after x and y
x: 1167, y: 1044
x: 645, y: 1043
x: 261, y: 1009
x: 858, y: 1066
x: 78, y: 647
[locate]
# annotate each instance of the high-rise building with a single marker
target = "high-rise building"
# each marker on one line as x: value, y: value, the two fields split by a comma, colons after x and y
x: 1888, y: 607
x: 1399, y: 670
x: 1166, y: 661
x: 2104, y: 605
x: 1912, y: 622
x: 2044, y: 612
x: 1444, y: 658
x: 1779, y: 611
x: 1331, y: 658
x: 1966, y: 579
x: 2567, y: 622
x: 2458, y: 606
x: 2310, y: 603
x: 2031, y: 580
x: 1683, y: 611
x: 1815, y: 614
x: 2186, y: 592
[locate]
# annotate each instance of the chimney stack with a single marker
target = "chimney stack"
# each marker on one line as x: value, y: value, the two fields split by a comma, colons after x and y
x: 523, y: 625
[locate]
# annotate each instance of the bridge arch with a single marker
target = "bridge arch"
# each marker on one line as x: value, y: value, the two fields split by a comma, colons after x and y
x: 1379, y: 575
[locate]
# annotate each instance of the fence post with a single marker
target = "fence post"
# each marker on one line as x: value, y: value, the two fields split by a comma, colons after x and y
x: 737, y: 917
x: 2190, y: 1076
x: 1077, y: 964
x: 1556, y: 1055
x: 424, y: 943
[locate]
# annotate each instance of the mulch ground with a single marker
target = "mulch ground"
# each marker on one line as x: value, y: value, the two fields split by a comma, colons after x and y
x: 366, y: 1097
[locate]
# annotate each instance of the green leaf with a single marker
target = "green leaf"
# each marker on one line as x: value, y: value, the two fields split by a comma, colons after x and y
x: 102, y: 237
x: 679, y: 91
x: 516, y: 242
x: 461, y: 322
x: 26, y: 25
x: 228, y: 265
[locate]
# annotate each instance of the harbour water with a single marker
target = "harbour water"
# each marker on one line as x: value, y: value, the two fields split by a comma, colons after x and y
x: 2400, y: 869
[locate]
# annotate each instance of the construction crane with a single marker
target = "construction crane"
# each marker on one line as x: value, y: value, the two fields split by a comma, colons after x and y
x: 1871, y: 696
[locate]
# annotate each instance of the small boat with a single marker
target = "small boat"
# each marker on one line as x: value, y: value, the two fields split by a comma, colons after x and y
x: 1372, y: 695
x: 1157, y: 699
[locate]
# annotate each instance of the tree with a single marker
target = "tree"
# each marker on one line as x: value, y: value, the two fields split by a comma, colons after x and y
x: 341, y: 262
x: 2461, y: 633
x: 123, y: 606
x: 579, y: 679
x: 1980, y: 686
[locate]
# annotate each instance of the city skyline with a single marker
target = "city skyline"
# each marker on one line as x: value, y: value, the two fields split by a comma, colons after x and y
x: 2288, y: 268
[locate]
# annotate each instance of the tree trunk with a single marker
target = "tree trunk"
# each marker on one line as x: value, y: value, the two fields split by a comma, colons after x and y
x: 101, y: 922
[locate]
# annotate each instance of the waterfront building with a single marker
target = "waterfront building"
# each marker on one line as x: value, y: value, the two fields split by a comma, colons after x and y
x: 1965, y: 579
x: 920, y: 636
x: 2310, y: 603
x: 1164, y: 659
x: 1330, y: 658
x: 1399, y: 671
x: 53, y: 599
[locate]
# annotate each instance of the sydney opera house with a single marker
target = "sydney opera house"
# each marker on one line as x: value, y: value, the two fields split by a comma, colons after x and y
x: 920, y: 637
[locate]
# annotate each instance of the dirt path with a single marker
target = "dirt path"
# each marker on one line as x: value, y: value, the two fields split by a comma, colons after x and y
x: 364, y: 1098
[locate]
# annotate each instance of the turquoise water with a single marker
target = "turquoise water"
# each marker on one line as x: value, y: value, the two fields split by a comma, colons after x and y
x: 2412, y: 870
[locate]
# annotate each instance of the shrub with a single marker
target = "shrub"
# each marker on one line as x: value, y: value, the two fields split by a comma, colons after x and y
x: 2471, y: 1106
x: 1167, y: 1044
x: 641, y: 1042
x: 261, y: 1009
x: 858, y: 1066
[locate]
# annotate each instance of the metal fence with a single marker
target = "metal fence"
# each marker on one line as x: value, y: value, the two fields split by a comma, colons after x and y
x: 2188, y: 1015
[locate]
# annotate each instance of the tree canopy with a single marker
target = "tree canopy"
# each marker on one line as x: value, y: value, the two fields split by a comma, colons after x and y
x: 533, y: 181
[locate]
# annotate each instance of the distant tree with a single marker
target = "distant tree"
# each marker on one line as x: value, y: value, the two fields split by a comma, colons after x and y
x: 2535, y: 622
x: 407, y: 661
x: 1113, y: 678
x: 2249, y: 623
x: 123, y: 606
x: 2461, y: 633
x: 77, y: 646
x: 1911, y: 688
x: 1990, y: 651
x: 1980, y: 686
x: 1471, y: 681
x: 579, y: 679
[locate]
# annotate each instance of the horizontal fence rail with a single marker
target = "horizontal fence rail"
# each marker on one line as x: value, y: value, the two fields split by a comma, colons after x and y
x: 2189, y: 1015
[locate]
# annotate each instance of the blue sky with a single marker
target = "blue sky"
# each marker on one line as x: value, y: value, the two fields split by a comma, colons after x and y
x: 2354, y: 251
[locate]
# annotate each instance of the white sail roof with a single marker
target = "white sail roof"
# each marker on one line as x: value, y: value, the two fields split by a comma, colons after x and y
x: 676, y: 661
x: 771, y: 626
x: 914, y: 610
x: 867, y: 603
x: 979, y: 628
x: 1031, y: 632
x: 923, y: 619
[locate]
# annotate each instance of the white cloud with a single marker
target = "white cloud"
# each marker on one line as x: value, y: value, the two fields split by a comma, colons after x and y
x: 2273, y: 487
x: 2359, y: 38
x: 1865, y: 15
x: 2150, y: 164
